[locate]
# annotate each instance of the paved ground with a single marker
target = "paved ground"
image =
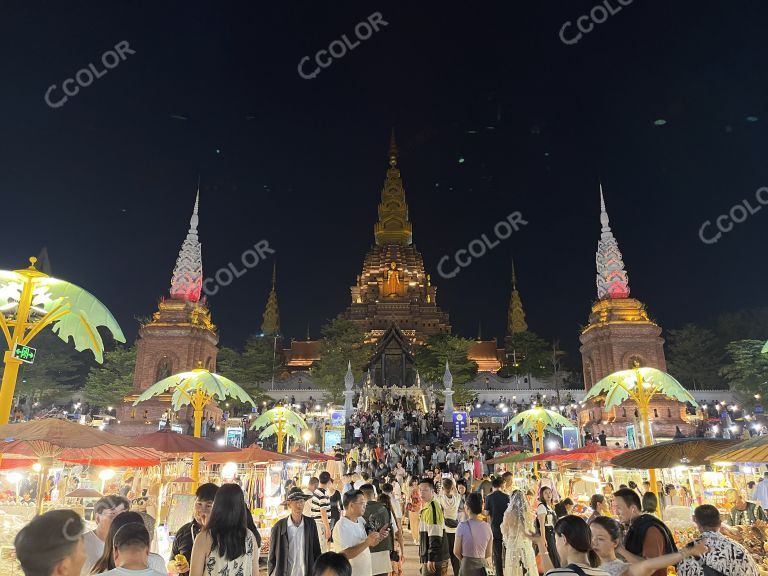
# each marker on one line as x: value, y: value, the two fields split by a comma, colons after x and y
x: 411, y: 565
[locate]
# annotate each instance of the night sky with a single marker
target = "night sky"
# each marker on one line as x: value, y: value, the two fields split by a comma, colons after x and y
x: 665, y: 103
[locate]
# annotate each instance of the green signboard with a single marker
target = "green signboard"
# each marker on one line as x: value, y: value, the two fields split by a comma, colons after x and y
x: 24, y: 353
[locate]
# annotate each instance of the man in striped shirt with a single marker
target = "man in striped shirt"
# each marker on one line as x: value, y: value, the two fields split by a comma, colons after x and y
x: 320, y: 508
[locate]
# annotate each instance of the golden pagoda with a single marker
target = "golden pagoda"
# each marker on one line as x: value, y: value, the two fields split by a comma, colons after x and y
x: 394, y: 288
x: 270, y: 324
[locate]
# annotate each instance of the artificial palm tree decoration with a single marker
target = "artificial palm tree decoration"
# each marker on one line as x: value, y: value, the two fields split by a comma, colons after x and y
x: 535, y: 421
x: 196, y: 388
x: 30, y: 301
x: 280, y: 421
x: 639, y: 385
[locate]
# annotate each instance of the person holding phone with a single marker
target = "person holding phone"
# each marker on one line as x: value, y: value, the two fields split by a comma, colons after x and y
x: 350, y: 537
x: 377, y: 517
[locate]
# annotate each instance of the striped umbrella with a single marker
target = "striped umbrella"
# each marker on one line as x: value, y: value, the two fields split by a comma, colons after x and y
x: 591, y: 453
x: 509, y: 458
x: 752, y: 450
x: 684, y: 452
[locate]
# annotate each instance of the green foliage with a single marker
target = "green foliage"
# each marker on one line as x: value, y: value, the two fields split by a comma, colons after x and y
x: 342, y: 341
x: 527, y: 355
x: 747, y: 372
x: 430, y: 359
x: 57, y: 371
x: 252, y: 366
x: 694, y: 357
x: 110, y: 382
x: 745, y: 324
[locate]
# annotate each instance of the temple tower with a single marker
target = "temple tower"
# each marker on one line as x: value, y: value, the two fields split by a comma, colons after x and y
x: 270, y: 325
x: 179, y: 337
x: 620, y: 333
x: 394, y: 288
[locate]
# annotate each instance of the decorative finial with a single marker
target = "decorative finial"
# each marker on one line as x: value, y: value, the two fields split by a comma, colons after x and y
x: 479, y: 331
x: 392, y: 149
x: 514, y: 276
x: 187, y: 279
x: 447, y: 377
x: 32, y: 261
x: 612, y: 279
x: 274, y: 274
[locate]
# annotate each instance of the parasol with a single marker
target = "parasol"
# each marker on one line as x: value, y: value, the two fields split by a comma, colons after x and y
x: 752, y: 450
x: 591, y: 453
x: 623, y: 385
x: 252, y: 455
x: 183, y: 480
x: 174, y: 443
x: 529, y: 420
x: 508, y: 458
x: 310, y: 455
x: 684, y: 452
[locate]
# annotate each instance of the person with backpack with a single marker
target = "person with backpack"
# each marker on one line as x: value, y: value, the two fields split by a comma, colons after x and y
x: 450, y: 500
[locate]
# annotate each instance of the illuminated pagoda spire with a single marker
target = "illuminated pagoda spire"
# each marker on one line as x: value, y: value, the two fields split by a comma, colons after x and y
x: 271, y: 320
x: 393, y: 226
x: 187, y: 279
x: 612, y: 279
x: 516, y: 315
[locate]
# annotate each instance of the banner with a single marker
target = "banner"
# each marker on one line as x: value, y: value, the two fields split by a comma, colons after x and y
x: 459, y: 423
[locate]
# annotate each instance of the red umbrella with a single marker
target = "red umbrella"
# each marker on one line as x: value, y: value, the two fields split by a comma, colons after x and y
x: 104, y: 455
x: 175, y: 443
x: 313, y: 456
x: 251, y: 454
x: 590, y: 453
x: 508, y: 458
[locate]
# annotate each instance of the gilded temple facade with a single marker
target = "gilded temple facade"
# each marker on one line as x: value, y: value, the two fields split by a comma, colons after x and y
x: 394, y: 288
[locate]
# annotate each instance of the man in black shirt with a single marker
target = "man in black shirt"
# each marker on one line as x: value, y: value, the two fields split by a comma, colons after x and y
x: 185, y: 537
x: 603, y: 438
x: 495, y: 506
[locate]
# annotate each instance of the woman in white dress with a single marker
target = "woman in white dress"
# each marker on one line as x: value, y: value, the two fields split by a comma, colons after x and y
x: 226, y: 547
x: 519, y: 560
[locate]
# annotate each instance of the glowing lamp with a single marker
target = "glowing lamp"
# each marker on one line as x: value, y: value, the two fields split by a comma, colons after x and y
x: 14, y: 477
x: 221, y: 441
x: 37, y: 466
x: 229, y: 470
x: 107, y: 474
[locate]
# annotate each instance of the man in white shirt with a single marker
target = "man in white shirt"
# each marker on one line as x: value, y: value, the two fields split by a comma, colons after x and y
x: 104, y: 511
x: 294, y: 544
x: 350, y: 537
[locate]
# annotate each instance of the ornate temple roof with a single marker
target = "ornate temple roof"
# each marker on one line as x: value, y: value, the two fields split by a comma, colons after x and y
x: 516, y: 315
x: 187, y: 279
x: 612, y: 279
x: 393, y: 226
x: 270, y: 324
x: 302, y: 353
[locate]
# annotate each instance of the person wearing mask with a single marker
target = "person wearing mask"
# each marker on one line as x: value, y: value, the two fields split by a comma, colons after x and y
x: 131, y: 551
x: 450, y: 501
x: 606, y: 538
x: 377, y: 517
x: 107, y: 561
x: 185, y: 536
x: 472, y: 545
x: 743, y: 512
x: 350, y: 537
x: 647, y: 536
x: 226, y: 545
x: 52, y: 545
x: 433, y: 543
x: 294, y: 542
x: 723, y: 556
x: 574, y: 549
x: 332, y: 564
x: 320, y: 508
x: 545, y: 523
x: 495, y: 505
x: 104, y: 512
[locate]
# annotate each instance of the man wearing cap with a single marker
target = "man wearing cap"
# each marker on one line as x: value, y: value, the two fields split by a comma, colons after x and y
x: 294, y: 542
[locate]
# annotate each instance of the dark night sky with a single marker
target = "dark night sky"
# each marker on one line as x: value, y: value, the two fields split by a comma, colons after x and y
x: 107, y: 181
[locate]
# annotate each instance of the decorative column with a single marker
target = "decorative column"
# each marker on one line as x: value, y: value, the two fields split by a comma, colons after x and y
x: 448, y: 383
x: 349, y: 382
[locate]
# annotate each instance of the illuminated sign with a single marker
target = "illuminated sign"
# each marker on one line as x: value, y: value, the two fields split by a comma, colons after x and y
x: 24, y: 353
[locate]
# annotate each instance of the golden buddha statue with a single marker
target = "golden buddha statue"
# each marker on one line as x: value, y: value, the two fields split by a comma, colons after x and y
x: 393, y: 286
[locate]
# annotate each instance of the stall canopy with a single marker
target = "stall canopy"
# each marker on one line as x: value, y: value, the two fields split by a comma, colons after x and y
x: 173, y: 443
x: 252, y: 454
x: 752, y: 450
x: 509, y: 458
x: 685, y: 452
x: 311, y: 456
x: 591, y: 453
x: 51, y: 436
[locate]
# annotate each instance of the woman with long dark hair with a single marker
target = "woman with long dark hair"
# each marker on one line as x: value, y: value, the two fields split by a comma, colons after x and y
x: 545, y: 523
x: 573, y: 542
x: 107, y: 560
x: 226, y: 545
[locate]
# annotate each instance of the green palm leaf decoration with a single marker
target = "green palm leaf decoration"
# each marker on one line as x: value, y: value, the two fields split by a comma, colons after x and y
x: 618, y: 387
x: 765, y: 348
x: 288, y: 430
x: 271, y: 416
x: 187, y: 384
x: 74, y: 312
x: 526, y: 422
